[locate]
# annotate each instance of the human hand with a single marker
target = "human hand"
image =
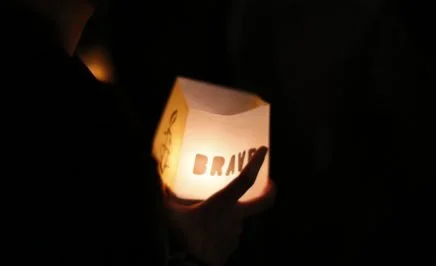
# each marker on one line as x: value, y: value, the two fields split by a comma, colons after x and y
x: 210, y: 230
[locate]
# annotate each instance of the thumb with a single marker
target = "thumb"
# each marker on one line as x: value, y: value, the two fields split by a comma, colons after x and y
x: 230, y: 194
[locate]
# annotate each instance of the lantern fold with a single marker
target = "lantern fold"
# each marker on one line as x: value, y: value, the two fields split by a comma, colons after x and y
x: 207, y: 135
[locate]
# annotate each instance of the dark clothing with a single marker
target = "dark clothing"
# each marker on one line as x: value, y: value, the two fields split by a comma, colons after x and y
x: 351, y: 140
x: 85, y: 189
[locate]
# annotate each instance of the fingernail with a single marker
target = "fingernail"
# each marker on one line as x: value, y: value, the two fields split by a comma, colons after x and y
x: 263, y: 150
x: 259, y: 158
x: 261, y: 153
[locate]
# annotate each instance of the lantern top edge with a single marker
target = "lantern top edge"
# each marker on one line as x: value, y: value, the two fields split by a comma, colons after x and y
x: 218, y: 99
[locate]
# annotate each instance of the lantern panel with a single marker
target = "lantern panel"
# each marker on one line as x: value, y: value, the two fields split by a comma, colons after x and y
x: 218, y: 133
x: 169, y: 135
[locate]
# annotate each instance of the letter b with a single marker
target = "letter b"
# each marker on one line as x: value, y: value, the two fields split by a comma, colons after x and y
x: 200, y: 165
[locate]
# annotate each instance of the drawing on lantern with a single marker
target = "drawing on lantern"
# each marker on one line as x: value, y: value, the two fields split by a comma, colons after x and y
x: 166, y: 146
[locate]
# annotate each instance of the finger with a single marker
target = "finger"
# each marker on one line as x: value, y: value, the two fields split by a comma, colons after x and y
x: 171, y: 198
x: 258, y: 205
x: 168, y: 193
x: 237, y: 187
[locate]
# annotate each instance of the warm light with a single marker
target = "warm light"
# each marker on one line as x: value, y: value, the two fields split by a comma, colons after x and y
x: 206, y: 136
x: 98, y: 62
x: 99, y: 72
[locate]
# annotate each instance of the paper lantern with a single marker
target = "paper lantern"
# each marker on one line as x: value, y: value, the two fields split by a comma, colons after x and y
x: 206, y: 136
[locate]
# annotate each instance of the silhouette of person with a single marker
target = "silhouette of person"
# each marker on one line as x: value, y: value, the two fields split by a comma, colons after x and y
x: 83, y: 190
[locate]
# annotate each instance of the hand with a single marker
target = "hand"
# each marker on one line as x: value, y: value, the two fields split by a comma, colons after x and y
x: 211, y: 229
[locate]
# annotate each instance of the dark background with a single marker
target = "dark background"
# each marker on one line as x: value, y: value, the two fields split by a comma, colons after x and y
x: 351, y: 85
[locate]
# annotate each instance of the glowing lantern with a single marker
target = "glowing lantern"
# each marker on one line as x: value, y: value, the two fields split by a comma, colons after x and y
x: 206, y: 136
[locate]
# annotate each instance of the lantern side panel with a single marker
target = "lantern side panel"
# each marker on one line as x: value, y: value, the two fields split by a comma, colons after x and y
x: 216, y: 148
x: 169, y: 136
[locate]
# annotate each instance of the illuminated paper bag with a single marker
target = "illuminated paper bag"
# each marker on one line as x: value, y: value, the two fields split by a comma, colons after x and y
x: 207, y: 135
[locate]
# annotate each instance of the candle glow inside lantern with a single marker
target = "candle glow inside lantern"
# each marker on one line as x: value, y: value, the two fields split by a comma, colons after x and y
x: 206, y: 136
